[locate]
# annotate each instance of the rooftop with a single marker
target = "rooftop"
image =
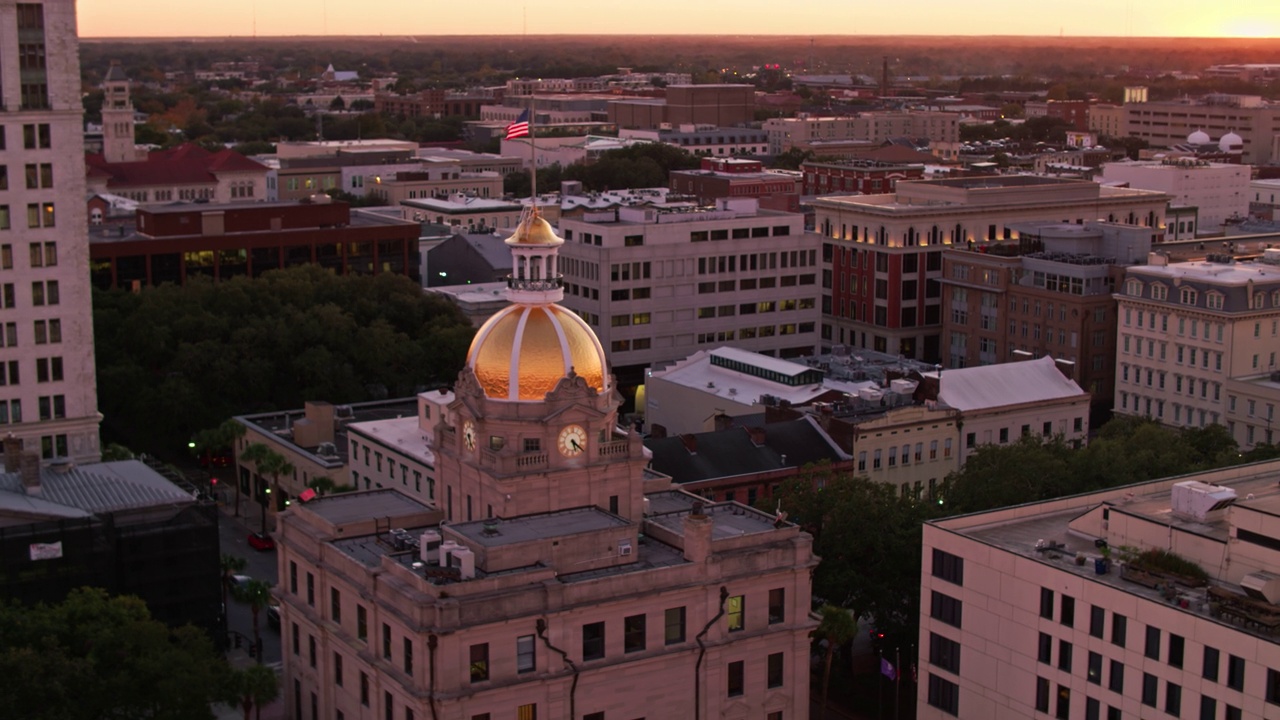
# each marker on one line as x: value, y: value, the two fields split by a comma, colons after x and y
x: 993, y: 386
x: 351, y: 507
x: 734, y: 452
x: 279, y: 425
x: 496, y: 532
x: 82, y: 490
x: 1217, y: 273
x: 1055, y: 537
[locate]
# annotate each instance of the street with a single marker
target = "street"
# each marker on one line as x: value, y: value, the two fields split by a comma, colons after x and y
x: 233, y: 540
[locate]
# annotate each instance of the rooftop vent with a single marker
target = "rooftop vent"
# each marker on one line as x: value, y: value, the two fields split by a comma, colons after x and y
x: 1262, y: 586
x: 1197, y: 500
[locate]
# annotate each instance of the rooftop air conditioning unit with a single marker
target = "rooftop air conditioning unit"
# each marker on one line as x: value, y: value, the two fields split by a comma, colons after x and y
x: 624, y: 548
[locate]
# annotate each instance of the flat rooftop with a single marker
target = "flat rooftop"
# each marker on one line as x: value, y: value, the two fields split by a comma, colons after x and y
x: 352, y: 507
x: 729, y: 519
x: 1217, y: 273
x: 1022, y: 535
x: 279, y: 425
x: 496, y: 532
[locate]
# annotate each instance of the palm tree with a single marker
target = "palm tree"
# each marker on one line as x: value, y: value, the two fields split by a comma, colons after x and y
x: 230, y: 566
x: 267, y: 462
x: 837, y: 627
x: 322, y: 485
x: 253, y: 687
x: 257, y: 595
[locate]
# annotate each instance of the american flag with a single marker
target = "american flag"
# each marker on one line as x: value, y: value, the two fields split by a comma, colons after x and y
x: 519, y: 128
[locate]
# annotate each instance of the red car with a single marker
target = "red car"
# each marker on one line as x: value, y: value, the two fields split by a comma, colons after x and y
x: 258, y: 541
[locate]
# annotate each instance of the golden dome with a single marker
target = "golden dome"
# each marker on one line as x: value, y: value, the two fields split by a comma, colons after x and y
x: 535, y: 231
x: 524, y: 350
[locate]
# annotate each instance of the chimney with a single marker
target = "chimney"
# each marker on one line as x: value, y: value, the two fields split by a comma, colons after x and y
x: 29, y: 466
x: 12, y: 452
x: 697, y: 535
x: 690, y: 443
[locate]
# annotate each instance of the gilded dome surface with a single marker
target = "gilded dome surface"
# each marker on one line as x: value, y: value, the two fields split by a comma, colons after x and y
x: 534, y: 231
x: 523, y: 351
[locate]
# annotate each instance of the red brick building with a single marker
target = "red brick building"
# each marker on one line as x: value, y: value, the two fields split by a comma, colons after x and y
x: 1074, y: 112
x: 736, y: 177
x: 176, y: 242
x: 868, y: 177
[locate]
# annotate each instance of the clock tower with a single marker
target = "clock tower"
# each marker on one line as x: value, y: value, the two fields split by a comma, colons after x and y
x: 535, y: 414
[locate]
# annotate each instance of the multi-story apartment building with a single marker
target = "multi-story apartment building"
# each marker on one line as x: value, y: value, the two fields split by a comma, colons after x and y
x: 49, y: 397
x: 658, y: 283
x: 1050, y: 295
x: 1186, y: 329
x: 868, y: 177
x: 721, y: 105
x: 706, y: 140
x: 875, y: 127
x: 1026, y: 615
x: 1168, y: 123
x: 554, y: 577
x: 883, y: 260
x: 172, y: 243
x: 739, y: 177
x: 1218, y: 191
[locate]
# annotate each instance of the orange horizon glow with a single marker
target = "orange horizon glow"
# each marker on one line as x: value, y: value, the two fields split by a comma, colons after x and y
x: 1253, y: 19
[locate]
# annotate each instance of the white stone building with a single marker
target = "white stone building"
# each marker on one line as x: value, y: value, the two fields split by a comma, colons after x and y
x: 1021, y: 620
x: 48, y: 396
x: 1219, y: 191
x: 1186, y: 329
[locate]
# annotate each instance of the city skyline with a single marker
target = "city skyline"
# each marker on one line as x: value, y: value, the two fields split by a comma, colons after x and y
x: 1082, y: 18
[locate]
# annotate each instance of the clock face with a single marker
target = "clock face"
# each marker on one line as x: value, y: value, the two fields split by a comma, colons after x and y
x: 469, y: 435
x: 573, y: 441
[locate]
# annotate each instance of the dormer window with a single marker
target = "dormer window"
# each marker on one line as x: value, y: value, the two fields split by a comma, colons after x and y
x: 1213, y: 300
x: 1187, y: 296
x: 1159, y: 291
x: 1133, y: 287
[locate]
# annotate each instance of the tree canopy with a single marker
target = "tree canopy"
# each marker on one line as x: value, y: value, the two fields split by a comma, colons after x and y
x: 174, y: 360
x: 639, y: 166
x: 93, y: 656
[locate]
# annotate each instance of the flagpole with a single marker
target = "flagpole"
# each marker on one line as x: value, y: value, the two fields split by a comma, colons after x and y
x: 897, y: 681
x: 533, y: 159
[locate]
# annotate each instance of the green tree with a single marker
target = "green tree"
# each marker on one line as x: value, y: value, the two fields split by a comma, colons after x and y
x: 792, y: 159
x: 837, y: 628
x: 1002, y: 475
x: 257, y: 595
x: 252, y: 688
x: 94, y: 656
x: 268, y: 463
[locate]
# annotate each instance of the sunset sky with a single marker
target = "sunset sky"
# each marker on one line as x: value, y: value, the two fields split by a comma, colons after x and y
x: 1150, y: 18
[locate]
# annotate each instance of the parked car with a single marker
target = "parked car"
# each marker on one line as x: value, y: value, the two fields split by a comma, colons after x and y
x: 273, y: 614
x: 240, y: 580
x: 261, y: 542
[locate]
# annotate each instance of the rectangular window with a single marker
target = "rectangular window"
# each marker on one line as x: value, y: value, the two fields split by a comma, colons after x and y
x: 1152, y: 647
x: 1092, y: 709
x: 407, y: 647
x: 944, y: 653
x: 337, y: 668
x: 633, y: 633
x: 1116, y: 681
x: 1149, y: 689
x: 945, y: 608
x: 526, y: 658
x: 1119, y: 624
x: 362, y: 623
x: 673, y: 622
x: 1210, y: 664
x: 944, y: 695
x: 1097, y: 619
x: 293, y: 577
x: 1042, y: 695
x: 777, y: 605
x: 527, y: 712
x: 1273, y: 686
x: 335, y: 606
x: 1235, y: 672
x: 386, y: 641
x: 775, y: 670
x: 1095, y: 668
x: 1208, y: 708
x: 1063, y: 709
x: 948, y: 567
x: 1067, y: 613
x: 311, y: 589
x: 735, y: 611
x: 311, y: 649
x: 1173, y: 699
x: 1044, y: 648
x: 1064, y: 655
x: 736, y: 679
x: 1177, y: 647
x: 1046, y: 603
x: 593, y: 641
x: 479, y: 662
x: 364, y: 689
